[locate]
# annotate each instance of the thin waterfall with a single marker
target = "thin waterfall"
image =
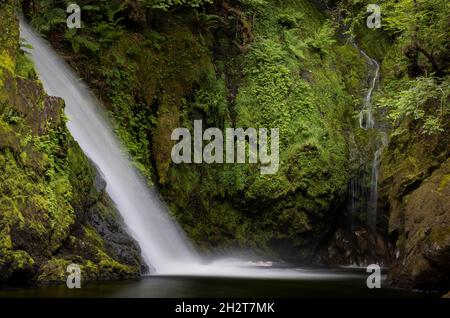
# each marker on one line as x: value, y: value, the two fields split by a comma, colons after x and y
x: 373, y: 199
x: 363, y: 187
x: 366, y: 119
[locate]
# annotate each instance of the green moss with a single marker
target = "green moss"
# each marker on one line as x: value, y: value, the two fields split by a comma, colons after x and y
x: 24, y: 66
x: 54, y: 270
x: 444, y: 181
x: 6, y: 62
x: 374, y: 42
x: 306, y: 95
x: 93, y: 261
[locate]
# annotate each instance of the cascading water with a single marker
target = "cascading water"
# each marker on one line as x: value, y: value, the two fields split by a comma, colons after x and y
x: 363, y: 187
x: 366, y: 119
x: 366, y: 147
x: 372, y: 204
x: 164, y: 246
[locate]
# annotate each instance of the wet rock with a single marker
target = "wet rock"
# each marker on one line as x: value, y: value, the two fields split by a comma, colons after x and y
x: 414, y: 184
x: 117, y: 241
x: 359, y: 247
x: 425, y: 245
x: 106, y: 220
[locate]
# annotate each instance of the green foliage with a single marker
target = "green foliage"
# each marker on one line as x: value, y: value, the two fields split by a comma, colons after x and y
x: 323, y: 40
x: 132, y: 119
x: 108, y: 30
x: 300, y: 94
x: 49, y: 16
x: 292, y: 75
x: 424, y: 27
x: 419, y: 26
x: 24, y: 66
x: 254, y: 4
x: 269, y: 87
x: 211, y: 100
x: 169, y: 4
x: 352, y: 15
x: 290, y: 19
x: 423, y: 100
x: 100, y: 23
x: 79, y: 41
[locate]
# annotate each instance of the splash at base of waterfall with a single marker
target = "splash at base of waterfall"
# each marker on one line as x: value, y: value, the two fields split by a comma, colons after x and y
x: 231, y: 267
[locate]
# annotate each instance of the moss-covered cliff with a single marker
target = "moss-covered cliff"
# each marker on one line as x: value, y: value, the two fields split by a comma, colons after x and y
x: 415, y: 100
x: 53, y: 208
x: 413, y: 180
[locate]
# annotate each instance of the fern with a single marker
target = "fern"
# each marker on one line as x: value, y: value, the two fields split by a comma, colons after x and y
x: 323, y: 40
x: 424, y: 101
x: 79, y: 41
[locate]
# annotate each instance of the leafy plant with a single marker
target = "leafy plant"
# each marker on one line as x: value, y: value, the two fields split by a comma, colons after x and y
x: 425, y: 101
x: 423, y: 24
x: 24, y: 66
x: 79, y: 41
x: 169, y: 4
x: 48, y: 18
x: 322, y: 41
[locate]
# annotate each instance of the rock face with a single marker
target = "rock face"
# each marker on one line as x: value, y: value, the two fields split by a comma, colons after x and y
x: 359, y: 247
x: 53, y: 207
x: 415, y: 183
x: 425, y: 250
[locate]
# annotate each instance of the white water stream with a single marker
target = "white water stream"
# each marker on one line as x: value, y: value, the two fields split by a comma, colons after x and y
x: 367, y: 121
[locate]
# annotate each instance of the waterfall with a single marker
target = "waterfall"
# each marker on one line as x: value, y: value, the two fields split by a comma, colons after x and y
x: 373, y: 199
x: 367, y: 121
x: 163, y: 244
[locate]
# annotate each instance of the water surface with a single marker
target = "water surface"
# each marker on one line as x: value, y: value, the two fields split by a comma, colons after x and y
x: 321, y: 283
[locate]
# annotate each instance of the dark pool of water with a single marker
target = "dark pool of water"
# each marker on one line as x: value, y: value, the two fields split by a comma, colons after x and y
x: 346, y: 283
